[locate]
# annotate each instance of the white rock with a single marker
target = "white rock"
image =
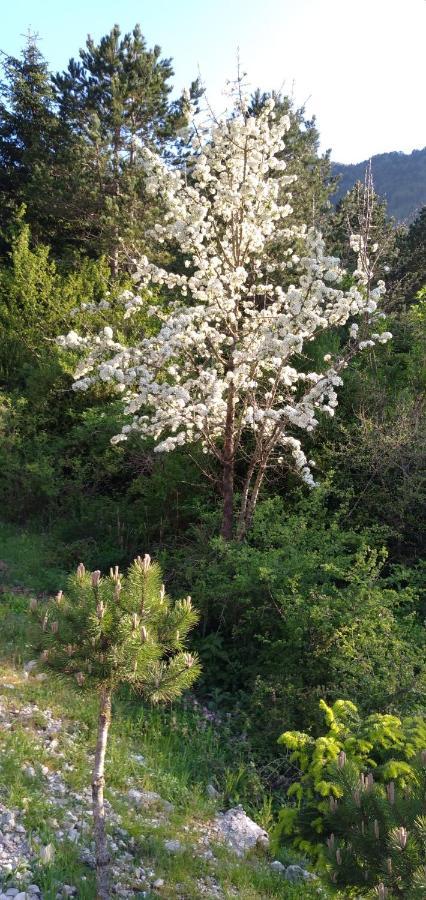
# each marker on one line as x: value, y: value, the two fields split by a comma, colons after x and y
x: 239, y: 831
x: 148, y: 798
x: 173, y: 846
x: 29, y: 666
x: 212, y: 792
x: 47, y: 853
x: 277, y: 866
x: 159, y: 883
x: 296, y: 873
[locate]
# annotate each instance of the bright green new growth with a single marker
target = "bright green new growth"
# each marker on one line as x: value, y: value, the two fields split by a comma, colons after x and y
x: 361, y: 800
x: 120, y: 629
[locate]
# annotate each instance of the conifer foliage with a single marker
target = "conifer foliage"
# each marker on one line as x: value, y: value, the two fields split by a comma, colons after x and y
x: 28, y: 131
x: 361, y: 800
x: 105, y: 632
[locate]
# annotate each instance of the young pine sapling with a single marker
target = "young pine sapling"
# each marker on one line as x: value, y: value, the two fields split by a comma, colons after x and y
x: 105, y: 632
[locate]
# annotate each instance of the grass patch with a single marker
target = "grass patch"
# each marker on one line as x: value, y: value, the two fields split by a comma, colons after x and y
x: 29, y: 561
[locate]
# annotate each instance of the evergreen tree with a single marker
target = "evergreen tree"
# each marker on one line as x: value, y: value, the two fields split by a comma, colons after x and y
x: 115, y: 101
x: 360, y: 800
x: 111, y: 631
x: 314, y: 184
x: 377, y: 831
x: 27, y: 129
x: 409, y: 274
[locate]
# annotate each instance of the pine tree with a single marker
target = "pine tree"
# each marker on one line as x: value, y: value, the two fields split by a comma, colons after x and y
x: 27, y: 132
x: 115, y: 101
x: 105, y: 632
x: 314, y: 184
x: 361, y: 800
x: 377, y: 831
x: 408, y: 276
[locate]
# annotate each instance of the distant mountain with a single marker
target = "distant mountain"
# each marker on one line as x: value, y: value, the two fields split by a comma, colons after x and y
x: 398, y: 177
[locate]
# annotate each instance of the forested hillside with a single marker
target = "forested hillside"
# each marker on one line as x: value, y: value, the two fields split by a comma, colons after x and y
x: 212, y: 494
x: 399, y: 178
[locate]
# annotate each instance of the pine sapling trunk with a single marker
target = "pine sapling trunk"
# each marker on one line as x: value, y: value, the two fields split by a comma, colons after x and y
x: 98, y: 783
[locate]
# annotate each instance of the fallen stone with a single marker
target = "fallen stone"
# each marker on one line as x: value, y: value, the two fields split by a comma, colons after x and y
x: 159, y: 883
x: 138, y: 758
x: 277, y: 866
x: 212, y: 792
x: 148, y: 799
x: 173, y: 846
x: 29, y: 666
x: 73, y: 835
x: 239, y: 831
x: 297, y: 873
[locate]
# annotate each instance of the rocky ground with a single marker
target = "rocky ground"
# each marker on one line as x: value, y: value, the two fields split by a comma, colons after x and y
x: 41, y: 751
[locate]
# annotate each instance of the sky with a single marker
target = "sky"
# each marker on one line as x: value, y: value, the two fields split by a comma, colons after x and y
x: 357, y: 65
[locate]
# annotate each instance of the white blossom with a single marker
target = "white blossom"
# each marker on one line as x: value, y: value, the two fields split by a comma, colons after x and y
x: 229, y: 338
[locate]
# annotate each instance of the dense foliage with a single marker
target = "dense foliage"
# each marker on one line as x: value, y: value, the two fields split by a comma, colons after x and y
x: 361, y: 800
x: 322, y: 596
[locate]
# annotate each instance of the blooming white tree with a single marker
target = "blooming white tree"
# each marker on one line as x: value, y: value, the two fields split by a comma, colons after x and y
x: 223, y: 367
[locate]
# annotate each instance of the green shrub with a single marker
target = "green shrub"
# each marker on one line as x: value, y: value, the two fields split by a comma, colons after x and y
x: 304, y: 609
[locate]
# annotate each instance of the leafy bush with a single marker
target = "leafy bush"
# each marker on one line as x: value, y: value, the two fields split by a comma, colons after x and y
x: 376, y: 443
x: 359, y: 803
x: 303, y: 609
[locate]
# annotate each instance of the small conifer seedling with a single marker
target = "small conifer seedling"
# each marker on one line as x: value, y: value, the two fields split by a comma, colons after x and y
x: 105, y: 632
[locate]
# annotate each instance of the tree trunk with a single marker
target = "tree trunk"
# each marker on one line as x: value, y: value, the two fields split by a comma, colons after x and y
x: 228, y: 502
x: 228, y: 470
x: 245, y: 500
x: 246, y: 520
x: 98, y: 783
